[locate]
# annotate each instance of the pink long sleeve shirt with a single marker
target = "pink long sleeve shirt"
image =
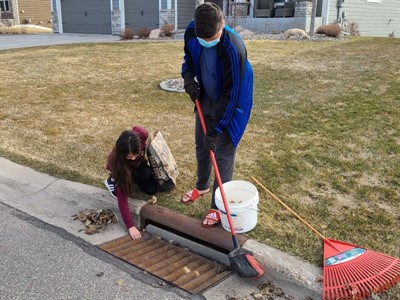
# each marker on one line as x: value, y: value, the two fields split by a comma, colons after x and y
x: 122, y: 197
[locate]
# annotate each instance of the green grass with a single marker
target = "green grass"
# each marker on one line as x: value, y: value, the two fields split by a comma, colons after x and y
x: 324, y: 133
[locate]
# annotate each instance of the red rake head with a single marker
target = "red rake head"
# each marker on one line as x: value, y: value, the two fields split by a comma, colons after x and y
x: 352, y: 272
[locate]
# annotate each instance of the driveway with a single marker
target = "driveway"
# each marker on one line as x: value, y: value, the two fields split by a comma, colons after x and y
x: 45, y: 39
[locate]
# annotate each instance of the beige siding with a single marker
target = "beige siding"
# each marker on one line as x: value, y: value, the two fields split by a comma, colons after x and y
x: 38, y: 10
x: 373, y: 18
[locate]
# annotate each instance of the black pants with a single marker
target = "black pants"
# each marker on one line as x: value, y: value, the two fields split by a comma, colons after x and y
x: 225, y: 153
x: 144, y: 178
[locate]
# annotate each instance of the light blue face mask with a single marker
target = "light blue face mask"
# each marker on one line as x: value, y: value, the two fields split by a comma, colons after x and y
x: 208, y: 44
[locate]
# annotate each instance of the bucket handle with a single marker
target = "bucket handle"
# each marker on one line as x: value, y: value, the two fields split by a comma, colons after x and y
x: 249, y: 208
x: 257, y: 209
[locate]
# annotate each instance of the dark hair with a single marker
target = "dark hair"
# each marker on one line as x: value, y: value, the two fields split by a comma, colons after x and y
x: 207, y: 20
x: 127, y: 143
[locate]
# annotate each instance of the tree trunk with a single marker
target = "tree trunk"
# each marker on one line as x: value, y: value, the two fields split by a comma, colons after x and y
x: 313, y: 15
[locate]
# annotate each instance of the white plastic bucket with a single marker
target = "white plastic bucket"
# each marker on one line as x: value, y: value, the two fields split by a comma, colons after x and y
x: 242, y: 198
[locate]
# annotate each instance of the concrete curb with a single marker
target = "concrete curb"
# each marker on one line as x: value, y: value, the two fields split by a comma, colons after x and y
x: 303, y: 272
x: 54, y: 201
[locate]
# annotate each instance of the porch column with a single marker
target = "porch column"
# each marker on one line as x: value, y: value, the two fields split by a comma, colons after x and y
x: 117, y: 16
x: 303, y: 9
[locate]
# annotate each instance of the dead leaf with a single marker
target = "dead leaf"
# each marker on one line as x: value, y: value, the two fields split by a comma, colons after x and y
x: 96, y: 220
x: 257, y: 296
x: 152, y: 200
x: 120, y: 282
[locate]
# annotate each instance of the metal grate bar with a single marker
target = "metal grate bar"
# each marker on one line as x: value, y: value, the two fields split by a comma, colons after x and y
x: 169, y: 262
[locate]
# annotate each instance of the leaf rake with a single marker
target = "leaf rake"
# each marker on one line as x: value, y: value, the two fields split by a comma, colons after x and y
x: 351, y: 272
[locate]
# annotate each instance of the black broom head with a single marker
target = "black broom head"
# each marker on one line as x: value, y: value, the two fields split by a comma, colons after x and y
x: 244, y: 263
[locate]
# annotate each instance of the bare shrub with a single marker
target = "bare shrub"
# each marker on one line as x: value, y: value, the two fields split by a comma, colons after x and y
x: 168, y: 29
x: 144, y: 32
x: 4, y: 30
x: 352, y: 28
x: 12, y: 30
x: 27, y: 20
x: 329, y: 30
x: 127, y: 34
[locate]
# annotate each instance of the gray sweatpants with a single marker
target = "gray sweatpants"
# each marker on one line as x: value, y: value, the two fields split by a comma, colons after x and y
x: 224, y: 153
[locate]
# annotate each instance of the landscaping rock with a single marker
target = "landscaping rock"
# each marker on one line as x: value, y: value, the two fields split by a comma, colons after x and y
x: 238, y: 29
x: 296, y: 33
x: 246, y: 33
x: 155, y: 34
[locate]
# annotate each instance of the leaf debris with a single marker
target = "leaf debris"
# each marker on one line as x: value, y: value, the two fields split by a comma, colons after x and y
x: 95, y: 219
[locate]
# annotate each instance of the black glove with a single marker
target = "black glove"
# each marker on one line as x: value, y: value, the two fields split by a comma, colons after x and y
x: 192, y: 88
x: 210, y: 139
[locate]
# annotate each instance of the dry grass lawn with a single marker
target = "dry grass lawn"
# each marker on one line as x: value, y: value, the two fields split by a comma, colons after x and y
x: 324, y: 134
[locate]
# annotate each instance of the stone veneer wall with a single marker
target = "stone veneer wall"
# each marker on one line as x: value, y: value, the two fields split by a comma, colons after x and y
x: 115, y: 18
x: 54, y: 16
x: 303, y: 9
x: 10, y: 18
x: 116, y: 22
x: 167, y: 16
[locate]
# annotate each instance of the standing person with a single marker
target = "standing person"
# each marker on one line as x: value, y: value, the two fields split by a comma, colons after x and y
x: 217, y: 57
x: 127, y: 165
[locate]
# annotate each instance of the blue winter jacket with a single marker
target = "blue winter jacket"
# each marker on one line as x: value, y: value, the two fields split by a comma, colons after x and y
x: 234, y: 80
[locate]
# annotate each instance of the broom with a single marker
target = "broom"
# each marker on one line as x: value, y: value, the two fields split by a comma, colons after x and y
x: 242, y: 261
x: 351, y: 272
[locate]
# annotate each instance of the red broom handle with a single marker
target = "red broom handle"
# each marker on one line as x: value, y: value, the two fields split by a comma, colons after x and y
x: 217, y: 175
x: 289, y: 209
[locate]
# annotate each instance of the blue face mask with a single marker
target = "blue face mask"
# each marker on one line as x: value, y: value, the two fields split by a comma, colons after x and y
x: 207, y: 44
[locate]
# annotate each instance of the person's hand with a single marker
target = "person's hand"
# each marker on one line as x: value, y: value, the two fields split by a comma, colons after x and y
x: 210, y: 139
x: 134, y: 232
x: 192, y: 88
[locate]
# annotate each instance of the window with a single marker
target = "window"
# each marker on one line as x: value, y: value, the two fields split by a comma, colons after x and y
x: 165, y: 4
x: 4, y: 5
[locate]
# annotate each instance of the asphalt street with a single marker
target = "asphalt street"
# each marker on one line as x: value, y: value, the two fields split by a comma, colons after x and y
x: 48, y: 39
x: 41, y: 261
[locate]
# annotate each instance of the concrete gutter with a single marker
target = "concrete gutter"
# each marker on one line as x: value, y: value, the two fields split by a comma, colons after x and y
x: 55, y: 201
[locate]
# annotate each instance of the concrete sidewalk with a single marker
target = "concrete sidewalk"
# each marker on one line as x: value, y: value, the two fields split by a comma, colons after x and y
x: 54, y: 201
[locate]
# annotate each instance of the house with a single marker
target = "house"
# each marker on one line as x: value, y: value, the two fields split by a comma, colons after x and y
x: 373, y: 17
x: 113, y: 16
x: 18, y: 12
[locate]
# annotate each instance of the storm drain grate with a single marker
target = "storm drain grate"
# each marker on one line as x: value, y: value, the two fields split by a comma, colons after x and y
x: 167, y: 261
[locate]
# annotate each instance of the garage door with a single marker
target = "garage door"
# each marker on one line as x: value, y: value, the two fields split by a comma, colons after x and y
x: 86, y: 16
x: 185, y: 12
x: 142, y: 14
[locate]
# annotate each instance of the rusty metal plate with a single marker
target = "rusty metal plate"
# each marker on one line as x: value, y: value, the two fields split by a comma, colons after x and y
x: 176, y: 265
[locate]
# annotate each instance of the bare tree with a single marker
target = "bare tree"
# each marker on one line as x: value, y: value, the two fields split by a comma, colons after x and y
x: 313, y: 14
